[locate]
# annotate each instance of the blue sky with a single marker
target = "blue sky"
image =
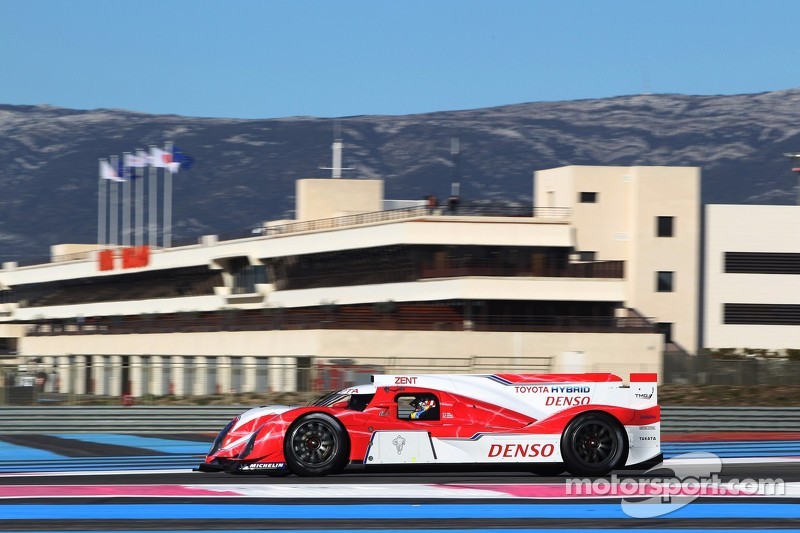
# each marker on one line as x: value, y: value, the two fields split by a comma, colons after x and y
x: 330, y: 58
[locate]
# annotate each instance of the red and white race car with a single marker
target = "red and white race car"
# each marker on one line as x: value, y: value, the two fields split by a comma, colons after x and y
x: 586, y: 424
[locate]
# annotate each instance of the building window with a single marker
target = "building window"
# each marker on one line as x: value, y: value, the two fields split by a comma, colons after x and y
x: 762, y: 263
x: 762, y: 314
x: 587, y: 256
x: 665, y: 328
x: 246, y: 279
x: 665, y: 281
x: 664, y: 226
x: 588, y: 198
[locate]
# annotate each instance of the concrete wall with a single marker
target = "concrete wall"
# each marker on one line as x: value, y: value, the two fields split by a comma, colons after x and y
x: 675, y: 192
x: 57, y: 250
x: 327, y: 198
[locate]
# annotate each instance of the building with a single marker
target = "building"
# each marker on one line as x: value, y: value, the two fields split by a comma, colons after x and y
x: 752, y: 277
x: 647, y: 217
x: 567, y: 285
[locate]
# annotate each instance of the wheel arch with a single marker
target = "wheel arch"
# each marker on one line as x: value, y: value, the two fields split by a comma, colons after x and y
x: 610, y: 414
x: 612, y: 419
x: 346, y: 442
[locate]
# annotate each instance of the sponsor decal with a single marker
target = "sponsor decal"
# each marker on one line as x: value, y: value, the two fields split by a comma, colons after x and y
x: 399, y: 442
x: 647, y: 417
x: 552, y: 389
x: 647, y: 438
x: 404, y: 380
x: 521, y: 450
x: 644, y: 395
x: 447, y: 415
x: 565, y: 401
x: 264, y: 466
x: 647, y: 428
x: 349, y: 391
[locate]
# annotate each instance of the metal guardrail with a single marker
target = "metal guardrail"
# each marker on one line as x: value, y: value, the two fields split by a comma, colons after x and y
x: 210, y: 419
x: 108, y: 419
x: 684, y: 419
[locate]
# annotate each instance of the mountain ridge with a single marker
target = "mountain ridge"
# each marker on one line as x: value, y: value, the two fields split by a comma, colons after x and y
x: 245, y: 169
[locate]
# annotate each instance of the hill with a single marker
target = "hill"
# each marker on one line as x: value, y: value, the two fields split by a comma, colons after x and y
x: 245, y: 170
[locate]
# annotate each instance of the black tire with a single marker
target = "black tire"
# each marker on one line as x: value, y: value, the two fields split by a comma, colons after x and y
x: 316, y: 445
x: 593, y: 444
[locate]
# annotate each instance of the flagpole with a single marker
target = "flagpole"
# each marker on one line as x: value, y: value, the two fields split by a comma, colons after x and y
x: 114, y: 240
x: 167, y: 238
x: 152, y: 217
x: 139, y: 203
x: 126, y: 203
x: 101, y: 211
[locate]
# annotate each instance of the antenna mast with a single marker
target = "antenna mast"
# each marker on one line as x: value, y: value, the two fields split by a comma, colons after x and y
x: 336, y: 166
x: 455, y: 185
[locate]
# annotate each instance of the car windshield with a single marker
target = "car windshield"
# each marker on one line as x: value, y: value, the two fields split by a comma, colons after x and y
x: 355, y: 402
x: 329, y: 399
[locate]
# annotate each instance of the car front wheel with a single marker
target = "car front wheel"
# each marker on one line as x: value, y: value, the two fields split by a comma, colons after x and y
x: 593, y: 444
x: 316, y: 445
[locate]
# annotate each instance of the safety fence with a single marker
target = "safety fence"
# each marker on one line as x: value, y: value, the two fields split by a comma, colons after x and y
x: 210, y: 419
x: 702, y: 369
x: 84, y: 379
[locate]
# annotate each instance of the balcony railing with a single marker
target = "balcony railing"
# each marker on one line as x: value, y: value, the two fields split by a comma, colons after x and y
x: 475, y: 210
x: 453, y: 269
x: 446, y: 319
x: 468, y: 210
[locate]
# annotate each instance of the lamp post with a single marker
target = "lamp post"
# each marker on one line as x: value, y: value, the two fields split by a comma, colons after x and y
x: 795, y: 156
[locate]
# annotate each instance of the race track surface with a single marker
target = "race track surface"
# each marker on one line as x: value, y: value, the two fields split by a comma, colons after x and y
x: 101, y: 482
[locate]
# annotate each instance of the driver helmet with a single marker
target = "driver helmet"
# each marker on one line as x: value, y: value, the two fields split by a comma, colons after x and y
x: 421, y: 405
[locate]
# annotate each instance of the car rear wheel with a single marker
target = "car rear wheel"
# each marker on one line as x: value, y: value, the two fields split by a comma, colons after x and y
x: 593, y: 444
x: 316, y: 445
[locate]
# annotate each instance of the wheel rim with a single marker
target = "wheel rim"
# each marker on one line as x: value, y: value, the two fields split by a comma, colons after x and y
x: 314, y: 443
x: 594, y: 443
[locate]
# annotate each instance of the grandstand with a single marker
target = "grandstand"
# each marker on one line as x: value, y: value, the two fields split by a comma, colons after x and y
x: 349, y: 287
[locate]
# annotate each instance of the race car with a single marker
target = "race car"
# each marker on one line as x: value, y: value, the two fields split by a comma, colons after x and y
x: 585, y: 424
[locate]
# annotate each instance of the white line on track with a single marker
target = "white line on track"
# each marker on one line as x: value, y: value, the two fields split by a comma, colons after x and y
x: 57, y: 473
x: 351, y: 492
x: 667, y: 463
x: 730, y: 460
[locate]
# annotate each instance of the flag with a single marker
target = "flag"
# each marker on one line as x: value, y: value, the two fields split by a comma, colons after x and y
x: 162, y: 159
x: 179, y: 156
x: 135, y: 161
x: 107, y: 172
x: 145, y: 157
